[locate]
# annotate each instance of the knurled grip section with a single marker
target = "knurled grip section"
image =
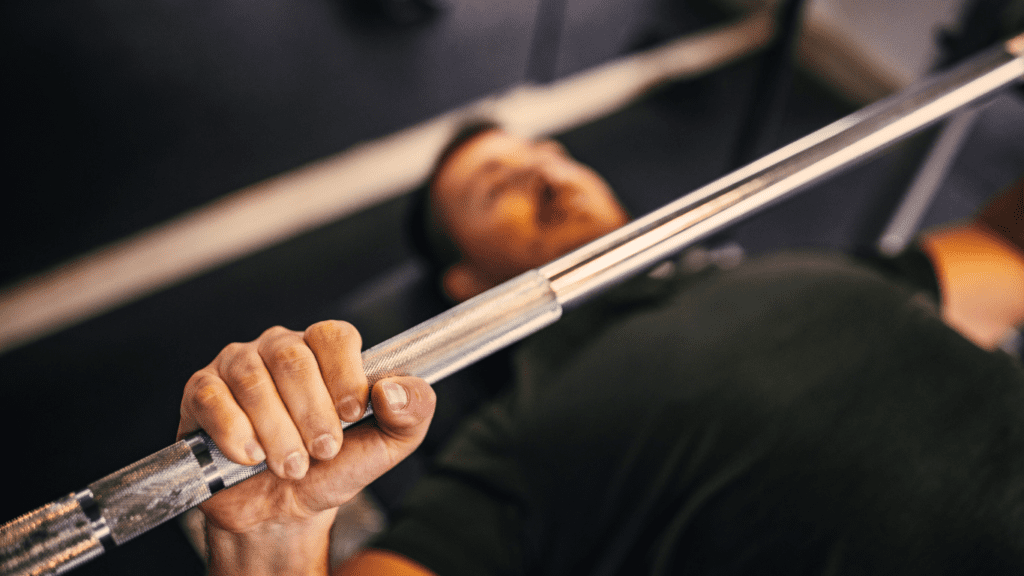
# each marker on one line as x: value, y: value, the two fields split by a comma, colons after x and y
x: 50, y: 540
x: 468, y: 332
x: 151, y: 491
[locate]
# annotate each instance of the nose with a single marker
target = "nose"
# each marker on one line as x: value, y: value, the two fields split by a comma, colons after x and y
x: 561, y: 194
x: 563, y: 184
x: 557, y: 170
x: 551, y: 202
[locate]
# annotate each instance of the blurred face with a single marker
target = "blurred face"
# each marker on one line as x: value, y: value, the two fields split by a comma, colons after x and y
x: 511, y: 204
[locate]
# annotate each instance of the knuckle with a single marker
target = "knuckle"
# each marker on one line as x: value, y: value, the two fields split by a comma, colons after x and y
x: 333, y: 332
x: 319, y: 333
x: 244, y: 377
x: 274, y: 332
x: 345, y: 330
x: 290, y: 358
x: 233, y: 350
x: 248, y: 384
x: 205, y: 393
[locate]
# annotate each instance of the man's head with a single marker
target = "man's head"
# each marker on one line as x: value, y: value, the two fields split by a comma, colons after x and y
x: 498, y: 205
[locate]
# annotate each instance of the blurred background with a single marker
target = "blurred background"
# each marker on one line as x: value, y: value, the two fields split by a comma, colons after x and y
x: 181, y: 175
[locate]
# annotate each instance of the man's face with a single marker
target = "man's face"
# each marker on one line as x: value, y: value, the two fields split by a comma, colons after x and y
x: 511, y: 204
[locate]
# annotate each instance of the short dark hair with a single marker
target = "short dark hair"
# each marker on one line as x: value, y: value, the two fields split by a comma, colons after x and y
x: 427, y: 235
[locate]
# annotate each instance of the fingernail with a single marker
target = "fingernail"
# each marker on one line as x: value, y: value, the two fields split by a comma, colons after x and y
x: 295, y: 465
x: 395, y: 395
x: 325, y: 447
x: 254, y: 451
x: 350, y: 410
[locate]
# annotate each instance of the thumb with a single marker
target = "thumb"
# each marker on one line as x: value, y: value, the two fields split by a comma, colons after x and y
x: 403, y: 407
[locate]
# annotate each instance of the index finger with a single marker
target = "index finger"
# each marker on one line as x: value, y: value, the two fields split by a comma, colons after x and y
x: 337, y: 347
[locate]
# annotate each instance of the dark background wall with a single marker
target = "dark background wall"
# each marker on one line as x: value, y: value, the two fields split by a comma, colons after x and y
x: 126, y: 114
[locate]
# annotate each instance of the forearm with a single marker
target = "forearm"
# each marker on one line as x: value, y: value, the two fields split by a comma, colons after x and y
x: 980, y: 269
x: 284, y: 549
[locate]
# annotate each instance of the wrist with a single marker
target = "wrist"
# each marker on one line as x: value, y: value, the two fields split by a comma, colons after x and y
x: 280, y: 549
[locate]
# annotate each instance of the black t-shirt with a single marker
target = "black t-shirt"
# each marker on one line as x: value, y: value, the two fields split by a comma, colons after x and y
x: 800, y: 414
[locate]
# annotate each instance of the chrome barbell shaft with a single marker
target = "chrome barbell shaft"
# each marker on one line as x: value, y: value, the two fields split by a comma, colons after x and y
x: 746, y: 191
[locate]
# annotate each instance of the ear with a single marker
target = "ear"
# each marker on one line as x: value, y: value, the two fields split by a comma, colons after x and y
x: 462, y: 281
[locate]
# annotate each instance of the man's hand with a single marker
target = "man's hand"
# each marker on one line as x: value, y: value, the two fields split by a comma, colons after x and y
x: 281, y: 397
